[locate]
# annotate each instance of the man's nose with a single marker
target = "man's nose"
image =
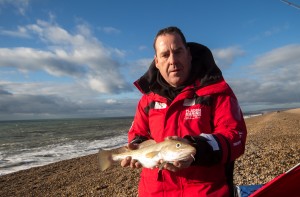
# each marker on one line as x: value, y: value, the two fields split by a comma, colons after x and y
x: 173, y: 59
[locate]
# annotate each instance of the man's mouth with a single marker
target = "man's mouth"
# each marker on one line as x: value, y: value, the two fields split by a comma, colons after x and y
x: 175, y: 70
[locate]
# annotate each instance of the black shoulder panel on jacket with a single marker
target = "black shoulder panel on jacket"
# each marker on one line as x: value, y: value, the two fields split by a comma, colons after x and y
x: 204, y: 100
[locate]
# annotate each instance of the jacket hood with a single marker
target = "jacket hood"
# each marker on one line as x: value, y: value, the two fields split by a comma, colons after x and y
x: 203, y: 69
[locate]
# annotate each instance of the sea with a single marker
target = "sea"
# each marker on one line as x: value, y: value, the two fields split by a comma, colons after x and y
x: 30, y: 143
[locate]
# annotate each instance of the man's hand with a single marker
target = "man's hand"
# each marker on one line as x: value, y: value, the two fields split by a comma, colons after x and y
x: 131, y: 162
x: 178, y: 165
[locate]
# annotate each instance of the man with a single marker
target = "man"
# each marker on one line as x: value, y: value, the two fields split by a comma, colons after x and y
x: 185, y: 97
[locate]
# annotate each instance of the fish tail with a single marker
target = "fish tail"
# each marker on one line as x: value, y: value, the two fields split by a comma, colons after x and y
x: 105, y: 159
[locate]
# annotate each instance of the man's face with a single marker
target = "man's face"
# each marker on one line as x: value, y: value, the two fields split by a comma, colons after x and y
x: 172, y: 59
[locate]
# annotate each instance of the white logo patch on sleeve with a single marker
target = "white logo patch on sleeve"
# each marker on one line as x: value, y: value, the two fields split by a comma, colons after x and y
x: 159, y: 105
x: 211, y: 140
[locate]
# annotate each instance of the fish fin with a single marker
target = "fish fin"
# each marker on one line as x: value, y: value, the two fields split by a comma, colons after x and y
x: 105, y: 156
x: 105, y: 159
x: 152, y: 154
x: 146, y: 143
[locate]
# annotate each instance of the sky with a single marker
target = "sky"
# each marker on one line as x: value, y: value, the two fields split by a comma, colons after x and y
x: 79, y: 59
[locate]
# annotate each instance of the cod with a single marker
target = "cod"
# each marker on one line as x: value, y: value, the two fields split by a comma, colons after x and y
x: 149, y: 153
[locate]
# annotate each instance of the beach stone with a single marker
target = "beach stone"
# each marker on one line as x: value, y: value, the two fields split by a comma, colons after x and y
x: 272, y: 148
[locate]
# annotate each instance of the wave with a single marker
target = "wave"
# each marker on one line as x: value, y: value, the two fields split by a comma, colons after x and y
x: 28, y: 158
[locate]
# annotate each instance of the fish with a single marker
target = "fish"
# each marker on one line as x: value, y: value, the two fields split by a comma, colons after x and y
x: 149, y: 153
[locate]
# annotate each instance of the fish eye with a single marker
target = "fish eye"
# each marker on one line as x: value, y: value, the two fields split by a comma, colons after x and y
x: 178, y: 145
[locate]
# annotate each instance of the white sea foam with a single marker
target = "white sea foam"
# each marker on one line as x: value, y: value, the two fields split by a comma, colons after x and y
x: 252, y: 115
x: 28, y: 158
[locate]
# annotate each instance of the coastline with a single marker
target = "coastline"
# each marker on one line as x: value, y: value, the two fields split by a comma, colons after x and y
x: 272, y: 148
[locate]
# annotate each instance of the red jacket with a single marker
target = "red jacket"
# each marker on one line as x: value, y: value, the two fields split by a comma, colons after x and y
x: 212, y: 116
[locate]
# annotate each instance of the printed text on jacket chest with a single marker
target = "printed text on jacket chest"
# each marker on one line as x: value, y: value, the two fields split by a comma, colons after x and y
x: 192, y: 114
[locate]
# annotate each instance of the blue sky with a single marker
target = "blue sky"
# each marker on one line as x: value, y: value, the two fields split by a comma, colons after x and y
x: 63, y: 59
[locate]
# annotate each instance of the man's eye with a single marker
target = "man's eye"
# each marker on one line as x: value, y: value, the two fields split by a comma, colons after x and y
x: 178, y: 52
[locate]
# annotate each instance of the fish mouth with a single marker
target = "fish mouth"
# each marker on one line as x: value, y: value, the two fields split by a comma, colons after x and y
x: 188, y: 156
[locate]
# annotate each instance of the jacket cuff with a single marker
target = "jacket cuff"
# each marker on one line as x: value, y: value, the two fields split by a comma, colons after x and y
x: 138, y: 139
x: 207, y: 151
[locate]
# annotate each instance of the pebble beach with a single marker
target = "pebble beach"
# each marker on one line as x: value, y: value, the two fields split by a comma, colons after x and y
x: 272, y: 148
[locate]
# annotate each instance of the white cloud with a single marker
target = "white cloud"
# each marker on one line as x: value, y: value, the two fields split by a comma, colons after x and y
x: 281, y: 59
x: 273, y: 79
x: 143, y: 47
x: 78, y: 55
x: 20, y: 5
x: 20, y: 32
x: 226, y: 56
x: 139, y: 67
x: 85, y: 71
x: 110, y: 30
x: 143, y: 64
x: 54, y: 100
x: 111, y: 101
